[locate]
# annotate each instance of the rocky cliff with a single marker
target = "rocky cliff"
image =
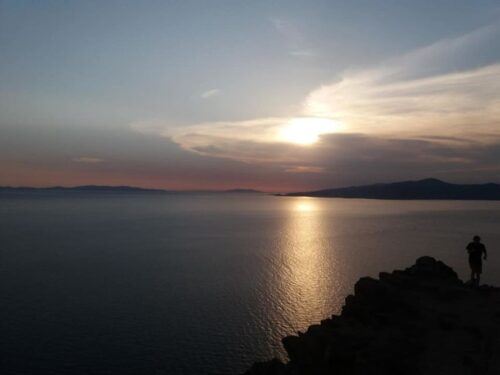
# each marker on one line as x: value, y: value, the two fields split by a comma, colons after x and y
x: 422, y: 320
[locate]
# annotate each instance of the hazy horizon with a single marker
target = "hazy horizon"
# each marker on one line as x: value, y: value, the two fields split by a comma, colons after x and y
x: 274, y: 96
x: 230, y: 189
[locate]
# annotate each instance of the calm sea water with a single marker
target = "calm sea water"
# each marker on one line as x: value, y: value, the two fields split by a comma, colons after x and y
x: 200, y: 284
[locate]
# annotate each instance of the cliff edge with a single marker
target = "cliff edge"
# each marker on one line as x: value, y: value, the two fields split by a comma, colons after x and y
x: 422, y: 320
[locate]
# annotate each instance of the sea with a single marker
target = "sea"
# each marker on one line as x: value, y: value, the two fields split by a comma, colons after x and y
x: 105, y: 283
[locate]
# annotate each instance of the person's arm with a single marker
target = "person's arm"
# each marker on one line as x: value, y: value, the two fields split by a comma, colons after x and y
x: 485, y: 253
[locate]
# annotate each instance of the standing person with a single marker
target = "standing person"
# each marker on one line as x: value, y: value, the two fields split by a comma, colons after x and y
x: 477, y: 251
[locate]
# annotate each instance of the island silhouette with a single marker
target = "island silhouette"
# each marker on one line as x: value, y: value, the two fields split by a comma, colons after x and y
x: 429, y: 188
x: 116, y: 189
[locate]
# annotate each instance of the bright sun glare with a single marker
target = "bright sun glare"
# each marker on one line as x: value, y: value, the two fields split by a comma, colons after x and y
x: 304, y: 204
x: 306, y: 130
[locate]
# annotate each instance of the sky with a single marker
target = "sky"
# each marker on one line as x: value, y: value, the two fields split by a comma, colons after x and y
x: 272, y: 95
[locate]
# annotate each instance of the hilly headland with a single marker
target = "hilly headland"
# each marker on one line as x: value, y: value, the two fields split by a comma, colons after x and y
x: 429, y: 188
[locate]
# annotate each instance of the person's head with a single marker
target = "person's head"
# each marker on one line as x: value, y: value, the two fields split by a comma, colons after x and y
x: 477, y: 239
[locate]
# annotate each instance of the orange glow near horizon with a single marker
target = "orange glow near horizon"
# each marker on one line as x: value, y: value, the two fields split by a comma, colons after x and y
x: 20, y: 175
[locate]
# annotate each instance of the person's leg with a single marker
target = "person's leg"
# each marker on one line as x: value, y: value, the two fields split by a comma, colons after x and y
x: 479, y: 271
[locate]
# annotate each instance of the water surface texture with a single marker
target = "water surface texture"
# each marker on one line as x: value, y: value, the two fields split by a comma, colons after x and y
x: 198, y: 284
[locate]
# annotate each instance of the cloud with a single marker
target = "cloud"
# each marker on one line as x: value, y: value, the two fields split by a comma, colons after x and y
x: 354, y: 153
x: 210, y: 93
x: 243, y: 141
x: 287, y: 29
x: 88, y: 159
x: 372, y: 158
x: 435, y: 110
x: 441, y: 89
x: 294, y: 38
x: 300, y: 169
x: 466, y: 102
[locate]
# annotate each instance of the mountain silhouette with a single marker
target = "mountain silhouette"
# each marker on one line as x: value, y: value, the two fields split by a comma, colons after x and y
x: 117, y: 189
x: 429, y: 188
x: 84, y: 188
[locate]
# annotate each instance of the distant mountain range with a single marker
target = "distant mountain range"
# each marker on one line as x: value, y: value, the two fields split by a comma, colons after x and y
x: 116, y: 189
x: 429, y: 188
x: 85, y: 188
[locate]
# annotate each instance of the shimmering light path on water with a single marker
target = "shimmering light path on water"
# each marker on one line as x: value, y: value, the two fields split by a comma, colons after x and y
x: 194, y: 284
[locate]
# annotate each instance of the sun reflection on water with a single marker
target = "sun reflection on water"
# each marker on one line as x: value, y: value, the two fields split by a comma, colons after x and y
x: 305, y: 204
x: 305, y: 264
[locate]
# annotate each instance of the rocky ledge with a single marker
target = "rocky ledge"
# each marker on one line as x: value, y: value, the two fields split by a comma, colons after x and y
x: 422, y: 320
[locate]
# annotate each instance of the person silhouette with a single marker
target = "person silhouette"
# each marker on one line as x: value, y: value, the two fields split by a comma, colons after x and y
x: 477, y: 251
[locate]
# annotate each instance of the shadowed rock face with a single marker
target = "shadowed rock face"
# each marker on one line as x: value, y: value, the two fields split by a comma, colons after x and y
x: 422, y: 320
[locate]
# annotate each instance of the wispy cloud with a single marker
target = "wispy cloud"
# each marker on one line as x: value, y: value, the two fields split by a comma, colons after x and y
x: 439, y: 89
x: 88, y: 159
x: 294, y: 38
x: 234, y: 140
x: 461, y: 103
x: 300, y: 169
x: 210, y: 93
x: 287, y: 29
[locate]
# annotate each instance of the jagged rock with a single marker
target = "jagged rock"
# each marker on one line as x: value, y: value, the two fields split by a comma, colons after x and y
x: 428, y: 268
x: 421, y: 320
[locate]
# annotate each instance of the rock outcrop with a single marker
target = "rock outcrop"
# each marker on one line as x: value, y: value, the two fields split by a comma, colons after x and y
x: 422, y: 320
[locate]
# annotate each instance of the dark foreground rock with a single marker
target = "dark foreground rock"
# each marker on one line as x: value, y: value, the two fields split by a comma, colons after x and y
x: 422, y: 320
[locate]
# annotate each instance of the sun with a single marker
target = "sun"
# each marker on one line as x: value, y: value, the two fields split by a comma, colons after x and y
x: 306, y: 130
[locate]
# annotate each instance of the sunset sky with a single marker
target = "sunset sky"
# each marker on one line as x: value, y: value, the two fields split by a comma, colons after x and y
x: 272, y: 95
